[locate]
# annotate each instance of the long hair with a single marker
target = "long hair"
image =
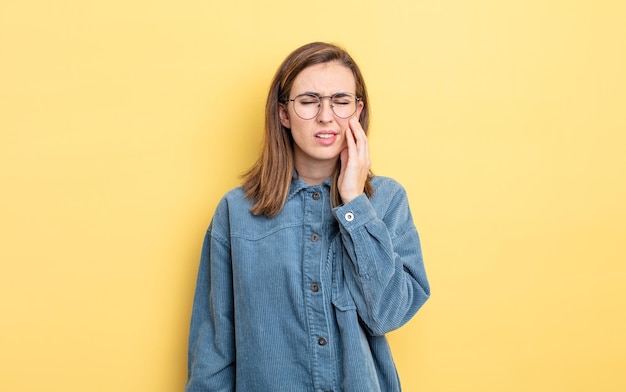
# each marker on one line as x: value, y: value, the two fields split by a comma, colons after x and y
x: 267, y: 182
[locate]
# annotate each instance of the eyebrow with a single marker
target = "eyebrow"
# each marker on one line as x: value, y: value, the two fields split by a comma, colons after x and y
x: 319, y: 95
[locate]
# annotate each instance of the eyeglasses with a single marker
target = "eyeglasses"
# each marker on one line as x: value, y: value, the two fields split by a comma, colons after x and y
x: 307, y: 106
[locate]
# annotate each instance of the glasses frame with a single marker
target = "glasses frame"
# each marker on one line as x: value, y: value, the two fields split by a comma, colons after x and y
x: 319, y: 106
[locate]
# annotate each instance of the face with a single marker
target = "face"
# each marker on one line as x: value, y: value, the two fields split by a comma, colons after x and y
x: 321, y: 139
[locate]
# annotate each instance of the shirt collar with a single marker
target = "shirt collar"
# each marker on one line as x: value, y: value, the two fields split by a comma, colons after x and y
x: 297, y: 184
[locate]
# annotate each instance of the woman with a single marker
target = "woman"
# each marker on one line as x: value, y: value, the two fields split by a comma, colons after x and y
x: 309, y: 263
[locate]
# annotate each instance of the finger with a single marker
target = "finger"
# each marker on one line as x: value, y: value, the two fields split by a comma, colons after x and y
x: 350, y: 141
x: 359, y: 134
x: 360, y: 139
x: 356, y: 127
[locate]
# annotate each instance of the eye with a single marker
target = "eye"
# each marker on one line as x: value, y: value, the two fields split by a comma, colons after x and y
x: 342, y: 99
x: 308, y: 100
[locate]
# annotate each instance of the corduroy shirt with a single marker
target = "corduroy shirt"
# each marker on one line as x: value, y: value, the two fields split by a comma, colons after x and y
x: 302, y: 301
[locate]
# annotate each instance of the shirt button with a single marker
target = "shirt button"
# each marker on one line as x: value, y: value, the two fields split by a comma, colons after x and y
x: 322, y: 341
x: 315, y: 237
x: 316, y: 196
x: 349, y: 216
x: 315, y: 287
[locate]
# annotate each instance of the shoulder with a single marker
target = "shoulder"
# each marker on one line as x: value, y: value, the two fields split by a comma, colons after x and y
x: 232, y: 209
x: 235, y: 196
x: 233, y: 218
x: 234, y: 200
x: 386, y: 183
x: 386, y: 188
x: 390, y: 199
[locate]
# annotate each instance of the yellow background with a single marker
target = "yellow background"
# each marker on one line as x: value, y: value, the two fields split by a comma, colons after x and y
x: 122, y: 123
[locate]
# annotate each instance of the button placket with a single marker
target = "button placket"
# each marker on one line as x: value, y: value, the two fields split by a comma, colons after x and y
x: 318, y: 217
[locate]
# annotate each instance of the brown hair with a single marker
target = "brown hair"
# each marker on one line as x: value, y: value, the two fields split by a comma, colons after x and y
x: 267, y: 182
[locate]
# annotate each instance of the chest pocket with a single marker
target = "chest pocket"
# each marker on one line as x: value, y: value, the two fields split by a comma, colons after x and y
x: 341, y: 297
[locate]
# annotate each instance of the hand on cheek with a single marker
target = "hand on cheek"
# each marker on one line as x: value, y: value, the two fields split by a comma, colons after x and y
x: 355, y: 162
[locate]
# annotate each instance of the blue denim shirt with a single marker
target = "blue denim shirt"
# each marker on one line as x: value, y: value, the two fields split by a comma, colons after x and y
x: 302, y: 301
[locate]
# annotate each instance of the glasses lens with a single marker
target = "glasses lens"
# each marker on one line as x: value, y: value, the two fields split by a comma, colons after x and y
x: 307, y: 106
x: 344, y: 105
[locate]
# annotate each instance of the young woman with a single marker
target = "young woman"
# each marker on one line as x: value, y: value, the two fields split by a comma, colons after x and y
x: 309, y: 263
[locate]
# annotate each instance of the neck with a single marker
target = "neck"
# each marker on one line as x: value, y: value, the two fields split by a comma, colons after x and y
x: 315, y: 174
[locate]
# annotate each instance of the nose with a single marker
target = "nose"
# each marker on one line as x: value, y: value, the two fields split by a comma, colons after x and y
x: 326, y: 113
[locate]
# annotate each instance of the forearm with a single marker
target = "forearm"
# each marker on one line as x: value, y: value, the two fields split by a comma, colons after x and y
x: 384, y: 269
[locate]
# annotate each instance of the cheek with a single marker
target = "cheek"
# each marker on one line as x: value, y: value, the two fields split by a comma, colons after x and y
x: 296, y: 125
x: 298, y: 131
x: 344, y: 124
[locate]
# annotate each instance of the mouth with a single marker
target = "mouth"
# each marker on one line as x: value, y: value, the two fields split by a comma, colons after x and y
x: 326, y: 137
x: 325, y: 134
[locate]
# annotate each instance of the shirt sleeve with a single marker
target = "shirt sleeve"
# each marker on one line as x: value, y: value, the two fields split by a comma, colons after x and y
x: 384, y: 269
x: 211, y: 356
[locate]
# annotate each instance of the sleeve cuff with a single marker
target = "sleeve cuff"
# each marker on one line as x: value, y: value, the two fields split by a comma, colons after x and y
x: 355, y: 214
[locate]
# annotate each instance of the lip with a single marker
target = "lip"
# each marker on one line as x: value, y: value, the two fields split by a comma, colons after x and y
x: 330, y: 137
